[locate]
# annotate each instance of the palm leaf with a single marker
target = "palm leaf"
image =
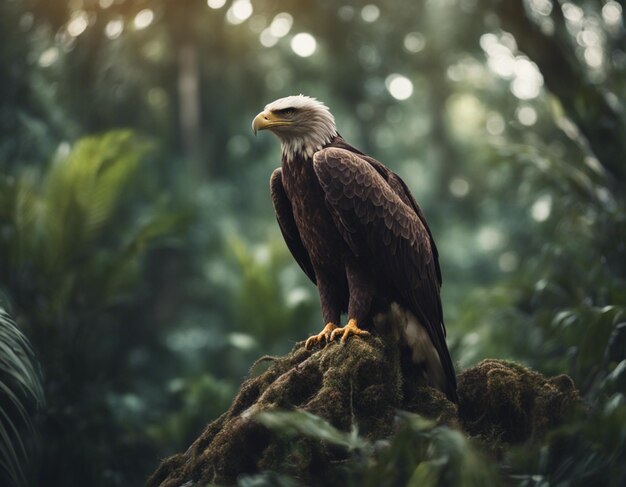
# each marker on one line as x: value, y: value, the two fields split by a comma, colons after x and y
x: 21, y: 394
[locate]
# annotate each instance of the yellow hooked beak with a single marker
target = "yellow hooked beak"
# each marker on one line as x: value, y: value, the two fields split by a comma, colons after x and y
x: 267, y: 120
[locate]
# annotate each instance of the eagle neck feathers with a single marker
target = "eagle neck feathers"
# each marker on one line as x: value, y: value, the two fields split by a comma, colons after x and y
x: 320, y: 133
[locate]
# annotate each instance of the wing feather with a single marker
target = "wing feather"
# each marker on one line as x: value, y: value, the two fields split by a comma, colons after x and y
x: 379, y: 219
x: 287, y: 224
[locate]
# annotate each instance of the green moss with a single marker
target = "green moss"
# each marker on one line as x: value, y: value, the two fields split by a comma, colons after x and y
x: 360, y: 384
x: 434, y: 404
x: 501, y: 401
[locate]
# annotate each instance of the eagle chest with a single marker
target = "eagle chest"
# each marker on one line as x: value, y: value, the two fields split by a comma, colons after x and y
x: 315, y: 224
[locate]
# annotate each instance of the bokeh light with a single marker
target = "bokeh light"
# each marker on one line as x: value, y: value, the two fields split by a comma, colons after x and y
x: 500, y: 59
x: 541, y: 208
x: 216, y: 3
x: 143, y: 19
x: 572, y: 12
x: 78, y: 23
x: 114, y: 28
x: 400, y: 87
x: 528, y: 80
x: 281, y: 25
x: 48, y: 57
x: 459, y: 187
x: 303, y: 44
x: 370, y: 13
x: 526, y: 115
x: 267, y: 39
x: 414, y: 42
x: 239, y: 12
x: 541, y: 7
x: 489, y: 238
x: 612, y: 13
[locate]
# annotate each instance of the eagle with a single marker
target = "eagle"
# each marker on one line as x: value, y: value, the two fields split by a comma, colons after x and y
x: 357, y: 232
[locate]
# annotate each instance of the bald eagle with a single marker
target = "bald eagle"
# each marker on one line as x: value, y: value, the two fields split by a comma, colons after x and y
x: 357, y: 232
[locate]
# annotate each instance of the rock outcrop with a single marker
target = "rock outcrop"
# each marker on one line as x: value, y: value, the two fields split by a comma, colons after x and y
x: 364, y: 382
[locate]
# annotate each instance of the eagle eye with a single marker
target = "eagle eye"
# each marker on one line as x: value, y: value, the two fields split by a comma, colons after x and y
x: 285, y: 111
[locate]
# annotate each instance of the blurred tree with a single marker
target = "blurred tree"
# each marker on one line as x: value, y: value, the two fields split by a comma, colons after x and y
x: 592, y: 106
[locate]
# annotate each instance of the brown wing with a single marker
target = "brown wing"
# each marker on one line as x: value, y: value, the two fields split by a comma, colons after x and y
x: 383, y: 226
x: 400, y: 188
x: 287, y: 224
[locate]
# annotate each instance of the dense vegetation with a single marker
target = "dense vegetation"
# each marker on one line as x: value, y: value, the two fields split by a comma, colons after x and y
x: 139, y: 254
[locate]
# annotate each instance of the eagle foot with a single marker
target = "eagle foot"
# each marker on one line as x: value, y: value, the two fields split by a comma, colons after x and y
x: 350, y: 329
x: 324, y: 337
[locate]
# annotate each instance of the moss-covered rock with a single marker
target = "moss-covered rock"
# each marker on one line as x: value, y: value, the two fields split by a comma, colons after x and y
x: 364, y: 383
x: 501, y: 401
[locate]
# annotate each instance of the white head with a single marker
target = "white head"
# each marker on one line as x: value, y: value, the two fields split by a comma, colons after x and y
x: 303, y: 124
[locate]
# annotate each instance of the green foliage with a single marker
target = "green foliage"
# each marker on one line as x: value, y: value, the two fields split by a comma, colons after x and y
x: 269, y: 300
x: 422, y: 453
x: 64, y: 231
x: 21, y: 395
x: 267, y: 479
x: 587, y: 451
x: 73, y: 256
x: 196, y: 397
x: 588, y: 330
x: 294, y: 423
x: 419, y: 453
x: 146, y: 315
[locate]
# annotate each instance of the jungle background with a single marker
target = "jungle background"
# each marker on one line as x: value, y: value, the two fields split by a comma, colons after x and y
x: 142, y: 271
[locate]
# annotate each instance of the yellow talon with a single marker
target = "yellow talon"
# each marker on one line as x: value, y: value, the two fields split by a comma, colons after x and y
x: 350, y: 329
x: 324, y: 336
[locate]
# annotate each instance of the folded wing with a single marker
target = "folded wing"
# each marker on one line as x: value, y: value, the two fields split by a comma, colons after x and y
x: 380, y: 221
x: 287, y: 224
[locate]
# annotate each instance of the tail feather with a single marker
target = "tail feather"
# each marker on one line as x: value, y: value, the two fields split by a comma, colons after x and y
x: 439, y: 371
